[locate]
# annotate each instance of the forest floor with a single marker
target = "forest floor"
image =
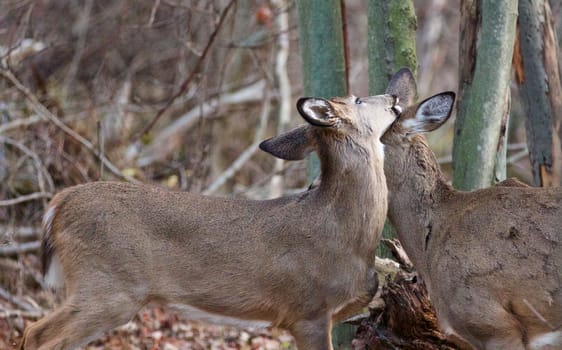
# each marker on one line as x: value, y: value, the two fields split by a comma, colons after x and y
x: 157, y: 329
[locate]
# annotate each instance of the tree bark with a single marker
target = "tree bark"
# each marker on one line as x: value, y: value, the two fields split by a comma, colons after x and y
x: 391, y: 40
x: 540, y: 89
x: 486, y: 52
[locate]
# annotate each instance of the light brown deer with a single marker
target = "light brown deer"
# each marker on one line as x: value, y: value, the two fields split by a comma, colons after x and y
x: 492, y: 258
x: 294, y: 262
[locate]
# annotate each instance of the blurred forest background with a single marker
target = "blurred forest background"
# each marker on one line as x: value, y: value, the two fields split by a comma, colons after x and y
x: 173, y: 93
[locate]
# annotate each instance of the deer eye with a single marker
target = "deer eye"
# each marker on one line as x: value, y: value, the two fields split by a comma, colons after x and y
x: 358, y: 101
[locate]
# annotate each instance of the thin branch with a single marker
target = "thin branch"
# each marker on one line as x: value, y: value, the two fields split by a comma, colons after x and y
x: 19, y: 123
x: 153, y: 13
x: 40, y: 109
x: 41, y: 170
x: 248, y: 153
x: 185, y: 84
x: 25, y: 198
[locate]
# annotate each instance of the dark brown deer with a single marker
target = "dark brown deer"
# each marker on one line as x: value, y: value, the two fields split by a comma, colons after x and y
x: 294, y: 262
x: 492, y: 258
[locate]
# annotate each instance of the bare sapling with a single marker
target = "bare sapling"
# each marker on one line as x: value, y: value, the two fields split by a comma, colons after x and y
x: 296, y: 262
x: 492, y: 258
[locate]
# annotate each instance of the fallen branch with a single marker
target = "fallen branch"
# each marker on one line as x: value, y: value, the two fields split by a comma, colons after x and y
x: 398, y: 252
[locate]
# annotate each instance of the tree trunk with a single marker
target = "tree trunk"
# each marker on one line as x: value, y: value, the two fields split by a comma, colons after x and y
x: 539, y: 83
x: 486, y: 52
x: 392, y: 45
x: 391, y: 40
x: 324, y: 74
x: 324, y: 69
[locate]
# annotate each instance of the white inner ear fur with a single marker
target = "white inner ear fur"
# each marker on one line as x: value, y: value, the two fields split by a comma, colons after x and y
x: 437, y: 107
x: 432, y: 111
x: 308, y: 108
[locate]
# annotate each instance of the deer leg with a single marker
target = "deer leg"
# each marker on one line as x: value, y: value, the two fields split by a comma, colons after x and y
x: 77, y: 322
x: 313, y: 334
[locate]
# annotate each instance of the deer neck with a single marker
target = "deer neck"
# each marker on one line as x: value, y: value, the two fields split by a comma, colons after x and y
x: 354, y: 187
x: 416, y: 187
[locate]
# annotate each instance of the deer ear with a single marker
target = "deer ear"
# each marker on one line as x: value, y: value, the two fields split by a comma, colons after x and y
x: 317, y: 111
x: 292, y: 145
x: 403, y: 85
x: 429, y: 114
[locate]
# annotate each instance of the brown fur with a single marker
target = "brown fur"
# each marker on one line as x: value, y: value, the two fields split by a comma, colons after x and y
x: 491, y: 259
x: 292, y: 261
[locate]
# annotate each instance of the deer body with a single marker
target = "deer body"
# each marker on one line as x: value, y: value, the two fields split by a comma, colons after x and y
x: 291, y: 262
x: 492, y: 258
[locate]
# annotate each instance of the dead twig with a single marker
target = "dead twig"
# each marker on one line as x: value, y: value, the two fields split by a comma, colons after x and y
x: 398, y: 252
x: 153, y: 13
x: 42, y: 172
x: 14, y: 124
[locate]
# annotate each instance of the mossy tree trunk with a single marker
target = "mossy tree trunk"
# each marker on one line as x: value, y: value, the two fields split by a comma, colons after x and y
x: 391, y: 42
x: 539, y: 82
x: 486, y: 52
x: 391, y: 46
x: 324, y: 74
